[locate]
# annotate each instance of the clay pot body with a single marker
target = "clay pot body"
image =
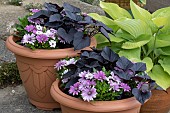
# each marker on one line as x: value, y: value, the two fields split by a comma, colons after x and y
x: 37, y: 71
x: 74, y: 105
x: 158, y: 103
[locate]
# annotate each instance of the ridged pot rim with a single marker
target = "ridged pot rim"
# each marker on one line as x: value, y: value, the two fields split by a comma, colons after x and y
x: 95, y: 106
x: 42, y: 53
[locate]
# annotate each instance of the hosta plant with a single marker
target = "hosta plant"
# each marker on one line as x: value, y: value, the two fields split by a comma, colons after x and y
x: 58, y: 27
x: 141, y: 36
x: 102, y: 75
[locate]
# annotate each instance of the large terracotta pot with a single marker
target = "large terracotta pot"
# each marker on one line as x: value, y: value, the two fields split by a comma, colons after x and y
x: 74, y: 105
x: 37, y: 71
x: 158, y: 103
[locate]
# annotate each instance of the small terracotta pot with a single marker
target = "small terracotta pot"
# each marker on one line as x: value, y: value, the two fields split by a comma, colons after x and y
x: 158, y: 103
x: 74, y: 105
x: 37, y: 71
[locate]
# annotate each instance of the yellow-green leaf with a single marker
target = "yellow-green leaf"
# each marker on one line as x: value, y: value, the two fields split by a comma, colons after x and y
x: 149, y: 63
x: 135, y: 27
x: 161, y: 77
x: 114, y: 10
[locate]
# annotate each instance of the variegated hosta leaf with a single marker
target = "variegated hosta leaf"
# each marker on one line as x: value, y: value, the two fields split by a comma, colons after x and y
x: 162, y: 40
x: 165, y: 63
x: 161, y: 77
x: 114, y: 10
x: 163, y: 12
x: 138, y: 42
x: 163, y: 51
x: 131, y: 54
x: 142, y: 14
x: 135, y: 27
x: 139, y: 13
x: 149, y: 63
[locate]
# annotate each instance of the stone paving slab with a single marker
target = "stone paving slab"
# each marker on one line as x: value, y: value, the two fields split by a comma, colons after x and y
x: 14, y: 100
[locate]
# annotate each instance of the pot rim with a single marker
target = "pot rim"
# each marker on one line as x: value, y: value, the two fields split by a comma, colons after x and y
x: 42, y: 53
x: 95, y: 106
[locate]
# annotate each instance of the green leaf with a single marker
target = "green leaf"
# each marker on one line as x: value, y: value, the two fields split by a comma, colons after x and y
x: 163, y: 51
x: 165, y: 63
x: 114, y: 10
x: 135, y: 27
x: 138, y: 42
x: 124, y: 35
x: 163, y: 21
x: 139, y: 13
x: 163, y: 12
x: 107, y: 21
x: 160, y: 76
x: 162, y: 40
x: 142, y: 14
x: 149, y: 63
x: 132, y: 54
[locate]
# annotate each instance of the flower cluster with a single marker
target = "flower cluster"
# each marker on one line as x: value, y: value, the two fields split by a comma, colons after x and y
x: 103, y: 76
x: 58, y: 27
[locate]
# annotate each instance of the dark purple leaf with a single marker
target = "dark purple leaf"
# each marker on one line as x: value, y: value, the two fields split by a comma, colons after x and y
x: 68, y: 37
x: 71, y: 8
x: 80, y: 41
x: 93, y: 64
x: 53, y: 24
x: 105, y: 33
x: 124, y: 63
x: 96, y: 56
x: 109, y: 55
x: 87, y: 20
x: 55, y: 17
x: 51, y: 7
x: 73, y: 16
x: 123, y: 75
x: 141, y: 96
x: 80, y: 63
x: 138, y: 67
x: 85, y: 54
x: 41, y: 14
x: 71, y: 82
x: 100, y: 24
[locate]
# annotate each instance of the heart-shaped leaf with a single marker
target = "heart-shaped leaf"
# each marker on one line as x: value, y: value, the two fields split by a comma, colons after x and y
x: 114, y: 10
x: 55, y: 17
x: 138, y: 42
x: 41, y: 14
x: 124, y: 63
x: 135, y: 27
x: 68, y: 37
x: 138, y: 67
x: 165, y: 63
x: 109, y: 55
x: 74, y: 16
x: 80, y: 41
x: 160, y: 76
x: 141, y: 96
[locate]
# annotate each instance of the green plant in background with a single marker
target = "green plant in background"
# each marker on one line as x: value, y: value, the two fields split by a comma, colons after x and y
x: 9, y: 74
x: 15, y: 2
x: 33, y: 6
x: 142, y: 37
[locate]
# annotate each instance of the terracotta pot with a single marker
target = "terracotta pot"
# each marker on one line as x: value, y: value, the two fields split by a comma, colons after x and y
x: 37, y: 71
x: 74, y: 105
x: 158, y: 103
